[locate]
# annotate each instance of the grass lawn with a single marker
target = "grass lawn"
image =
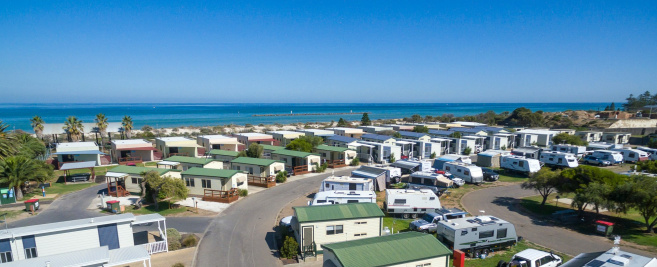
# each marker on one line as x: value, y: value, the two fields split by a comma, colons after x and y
x: 150, y: 209
x: 10, y: 214
x: 512, y: 178
x: 506, y: 255
x: 396, y: 224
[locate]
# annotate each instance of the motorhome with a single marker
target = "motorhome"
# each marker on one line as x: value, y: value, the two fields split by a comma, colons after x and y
x: 559, y: 159
x: 469, y: 173
x: 429, y: 180
x: 410, y: 203
x: 333, y: 183
x: 651, y: 152
x: 438, y: 163
x: 477, y: 235
x: 342, y: 197
x: 633, y: 155
x: 573, y: 149
x: 614, y: 157
x: 520, y: 164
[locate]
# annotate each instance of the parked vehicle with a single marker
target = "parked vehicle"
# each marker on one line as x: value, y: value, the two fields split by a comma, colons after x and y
x: 572, y: 149
x: 438, y: 163
x: 477, y: 235
x: 532, y: 258
x: 558, y: 159
x: 469, y: 173
x: 614, y: 157
x: 490, y: 175
x: 428, y: 180
x: 595, y: 161
x: 287, y: 223
x: 428, y: 222
x: 458, y: 182
x: 633, y: 155
x: 333, y: 183
x: 410, y: 203
x: 652, y: 153
x: 520, y: 164
x: 342, y: 197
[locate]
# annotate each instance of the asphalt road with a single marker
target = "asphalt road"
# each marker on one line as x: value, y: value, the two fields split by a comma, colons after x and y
x: 243, y: 234
x: 501, y: 202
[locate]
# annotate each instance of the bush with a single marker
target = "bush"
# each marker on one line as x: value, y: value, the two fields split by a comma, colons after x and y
x: 281, y: 177
x: 178, y: 264
x: 467, y: 151
x: 433, y: 155
x: 190, y: 241
x: 392, y: 158
x: 290, y: 248
x: 244, y: 192
x: 355, y: 162
x: 173, y: 238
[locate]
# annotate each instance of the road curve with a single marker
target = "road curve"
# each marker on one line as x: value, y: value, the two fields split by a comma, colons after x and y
x: 243, y: 234
x: 501, y: 202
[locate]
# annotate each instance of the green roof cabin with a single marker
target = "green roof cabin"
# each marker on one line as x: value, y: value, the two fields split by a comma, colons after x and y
x: 297, y: 162
x: 200, y: 180
x: 123, y: 179
x: 335, y: 156
x: 224, y: 156
x: 184, y: 163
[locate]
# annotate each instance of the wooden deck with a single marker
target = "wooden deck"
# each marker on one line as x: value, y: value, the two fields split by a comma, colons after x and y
x: 221, y: 196
x: 298, y: 170
x: 112, y: 191
x: 337, y: 164
x: 265, y: 182
x: 128, y: 160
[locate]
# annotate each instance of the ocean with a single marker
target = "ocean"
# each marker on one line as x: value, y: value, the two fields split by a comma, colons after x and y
x: 176, y: 115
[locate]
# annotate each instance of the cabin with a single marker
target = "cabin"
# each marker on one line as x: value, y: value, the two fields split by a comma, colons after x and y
x: 97, y: 241
x: 267, y: 149
x: 78, y: 151
x: 316, y: 132
x: 375, y: 129
x: 490, y: 130
x: 221, y: 142
x: 530, y: 152
x: 132, y: 151
x: 127, y: 180
x: 479, y: 142
x: 533, y: 137
x: 616, y: 138
x: 566, y: 131
x: 297, y: 162
x: 258, y: 138
x: 377, y: 152
x: 185, y: 163
x: 415, y: 136
x: 177, y: 146
x: 201, y: 181
x: 403, y: 249
x: 458, y: 145
x: 285, y: 137
x: 335, y: 156
x: 342, y: 141
x: 378, y: 138
x: 347, y: 132
x: 500, y: 141
x: 423, y: 149
x: 260, y: 172
x: 590, y: 136
x: 315, y: 226
x: 224, y: 156
x: 469, y: 131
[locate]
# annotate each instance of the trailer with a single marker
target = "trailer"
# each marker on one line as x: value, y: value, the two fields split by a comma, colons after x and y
x: 614, y: 157
x: 333, y: 183
x: 429, y: 180
x: 573, y: 149
x: 410, y: 203
x: 651, y: 152
x: 468, y: 172
x: 477, y: 235
x: 530, y: 152
x: 342, y: 197
x: 633, y: 155
x: 559, y: 159
x: 438, y: 163
x: 520, y: 164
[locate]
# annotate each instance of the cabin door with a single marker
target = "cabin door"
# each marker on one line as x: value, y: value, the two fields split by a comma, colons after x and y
x: 308, y: 238
x: 108, y: 236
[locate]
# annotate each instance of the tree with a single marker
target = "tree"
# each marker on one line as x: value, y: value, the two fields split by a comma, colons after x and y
x: 649, y: 166
x: 455, y: 135
x: 15, y: 171
x: 365, y: 120
x: 37, y: 125
x: 73, y: 127
x: 281, y: 177
x: 544, y: 182
x: 342, y: 123
x: 421, y: 129
x: 596, y: 194
x: 525, y: 117
x: 433, y: 155
x: 392, y: 158
x: 415, y: 118
x: 101, y: 123
x: 290, y: 248
x: 313, y: 140
x: 467, y: 150
x: 300, y: 145
x: 564, y: 138
x: 29, y: 146
x: 162, y: 188
x: 612, y: 107
x: 397, y: 135
x: 640, y: 193
x: 255, y: 151
x: 8, y: 144
x: 126, y: 122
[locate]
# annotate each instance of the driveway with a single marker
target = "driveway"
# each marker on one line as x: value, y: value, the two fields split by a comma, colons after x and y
x: 243, y: 234
x: 501, y: 202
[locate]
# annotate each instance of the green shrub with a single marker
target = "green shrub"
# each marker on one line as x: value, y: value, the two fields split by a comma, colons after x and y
x: 244, y: 192
x: 281, y: 177
x: 173, y: 238
x: 433, y: 155
x: 190, y: 241
x: 467, y: 151
x: 290, y: 248
x: 178, y: 264
x: 355, y: 162
x: 392, y: 158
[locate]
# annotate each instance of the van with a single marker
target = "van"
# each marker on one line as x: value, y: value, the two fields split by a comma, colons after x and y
x: 520, y: 164
x: 469, y: 173
x: 429, y: 180
x: 633, y: 155
x: 342, y: 197
x: 614, y: 157
x: 559, y: 159
x: 410, y: 203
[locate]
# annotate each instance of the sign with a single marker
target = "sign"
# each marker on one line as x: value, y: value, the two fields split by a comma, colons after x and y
x: 601, y: 228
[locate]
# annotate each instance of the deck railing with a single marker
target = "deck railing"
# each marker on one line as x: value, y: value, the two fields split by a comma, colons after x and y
x: 221, y: 196
x: 336, y: 163
x: 266, y: 182
x: 126, y: 160
x: 156, y: 247
x: 300, y: 169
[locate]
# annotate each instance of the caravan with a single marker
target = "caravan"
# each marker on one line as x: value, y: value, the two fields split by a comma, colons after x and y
x: 520, y: 164
x: 633, y: 155
x: 614, y: 157
x: 559, y: 159
x: 333, y: 183
x: 409, y: 203
x: 342, y: 197
x: 651, y: 152
x: 468, y: 172
x: 429, y: 180
x: 577, y: 150
x: 438, y: 163
x: 477, y: 235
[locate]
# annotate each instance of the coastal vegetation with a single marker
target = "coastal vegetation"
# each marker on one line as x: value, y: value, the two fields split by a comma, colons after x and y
x: 365, y: 120
x: 637, y: 103
x: 74, y: 128
x: 101, y: 123
x: 564, y: 138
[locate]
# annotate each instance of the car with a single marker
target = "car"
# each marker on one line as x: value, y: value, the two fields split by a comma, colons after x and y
x: 532, y: 258
x: 490, y: 175
x: 287, y: 223
x: 427, y: 224
x: 595, y: 161
x: 458, y: 182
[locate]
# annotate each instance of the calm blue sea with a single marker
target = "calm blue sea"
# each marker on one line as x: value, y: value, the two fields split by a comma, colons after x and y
x: 174, y: 115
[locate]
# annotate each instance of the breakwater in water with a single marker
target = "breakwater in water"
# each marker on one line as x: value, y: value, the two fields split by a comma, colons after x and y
x: 306, y: 114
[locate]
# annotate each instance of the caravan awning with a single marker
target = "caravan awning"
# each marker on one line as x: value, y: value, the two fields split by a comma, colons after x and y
x: 405, y: 164
x: 123, y: 256
x: 86, y: 257
x: 115, y: 174
x: 361, y: 174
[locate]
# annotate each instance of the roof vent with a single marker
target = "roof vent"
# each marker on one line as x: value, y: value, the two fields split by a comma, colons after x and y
x: 620, y: 261
x: 92, y: 220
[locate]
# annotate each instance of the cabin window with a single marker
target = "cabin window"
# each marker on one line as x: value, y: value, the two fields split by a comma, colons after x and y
x: 321, y: 201
x: 205, y: 183
x: 486, y: 234
x: 352, y: 201
x: 447, y: 168
x: 30, y: 247
x: 326, y: 185
x: 189, y: 182
x: 464, y: 232
x: 501, y: 233
x: 400, y: 201
x: 361, y: 234
x: 361, y: 222
x: 5, y: 251
x: 459, y: 170
x: 334, y: 229
x: 432, y: 198
x: 466, y: 172
x: 237, y: 168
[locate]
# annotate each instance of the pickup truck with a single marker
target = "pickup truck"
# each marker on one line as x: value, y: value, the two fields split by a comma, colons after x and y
x: 428, y: 222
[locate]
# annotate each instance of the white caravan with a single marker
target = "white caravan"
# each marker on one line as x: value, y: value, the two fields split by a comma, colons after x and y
x: 559, y: 159
x: 429, y: 180
x: 614, y: 157
x: 577, y: 150
x: 333, y: 183
x: 651, y: 151
x: 469, y: 173
x: 520, y: 164
x: 477, y: 235
x: 342, y: 197
x: 409, y: 203
x: 633, y: 155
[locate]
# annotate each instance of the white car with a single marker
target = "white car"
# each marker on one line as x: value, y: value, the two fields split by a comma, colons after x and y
x: 457, y: 181
x: 532, y: 258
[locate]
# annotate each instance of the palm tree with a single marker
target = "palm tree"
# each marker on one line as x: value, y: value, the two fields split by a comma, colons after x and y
x: 73, y: 127
x: 37, y: 125
x: 17, y: 170
x: 101, y: 123
x: 8, y: 144
x: 127, y: 125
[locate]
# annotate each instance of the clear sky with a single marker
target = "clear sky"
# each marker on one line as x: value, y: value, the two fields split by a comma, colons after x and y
x: 326, y: 51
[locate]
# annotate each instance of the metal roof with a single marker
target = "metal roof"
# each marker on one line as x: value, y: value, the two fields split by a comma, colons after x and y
x: 168, y: 163
x: 174, y: 139
x: 370, y: 170
x: 466, y: 130
x: 77, y: 165
x: 270, y: 147
x: 192, y: 160
x: 254, y: 161
x: 293, y: 153
x: 337, y: 212
x: 412, y: 134
x: 115, y: 174
x: 131, y: 142
x: 86, y: 257
x: 441, y: 132
x: 224, y: 152
x: 341, y: 138
x: 379, y: 137
x: 137, y: 170
x: 123, y: 256
x: 332, y: 148
x: 148, y: 218
x: 388, y: 250
x: 66, y: 225
x: 605, y: 259
x: 83, y: 152
x: 405, y: 164
x: 490, y: 129
x: 210, y: 172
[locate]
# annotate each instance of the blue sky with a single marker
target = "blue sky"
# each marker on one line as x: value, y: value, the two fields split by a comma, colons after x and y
x: 326, y: 51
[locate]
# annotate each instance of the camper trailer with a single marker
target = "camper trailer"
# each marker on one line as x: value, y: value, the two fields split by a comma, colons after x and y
x: 438, y: 163
x: 633, y: 155
x: 469, y: 173
x: 614, y: 157
x: 477, y: 235
x: 429, y: 180
x: 652, y: 153
x: 529, y: 152
x: 342, y: 197
x: 520, y: 164
x: 333, y: 183
x: 410, y: 203
x: 559, y: 159
x: 577, y: 150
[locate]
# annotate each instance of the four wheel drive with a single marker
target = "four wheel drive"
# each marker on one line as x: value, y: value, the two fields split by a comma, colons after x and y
x: 458, y: 182
x: 428, y: 222
x: 490, y: 175
x: 595, y: 161
x: 532, y: 258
